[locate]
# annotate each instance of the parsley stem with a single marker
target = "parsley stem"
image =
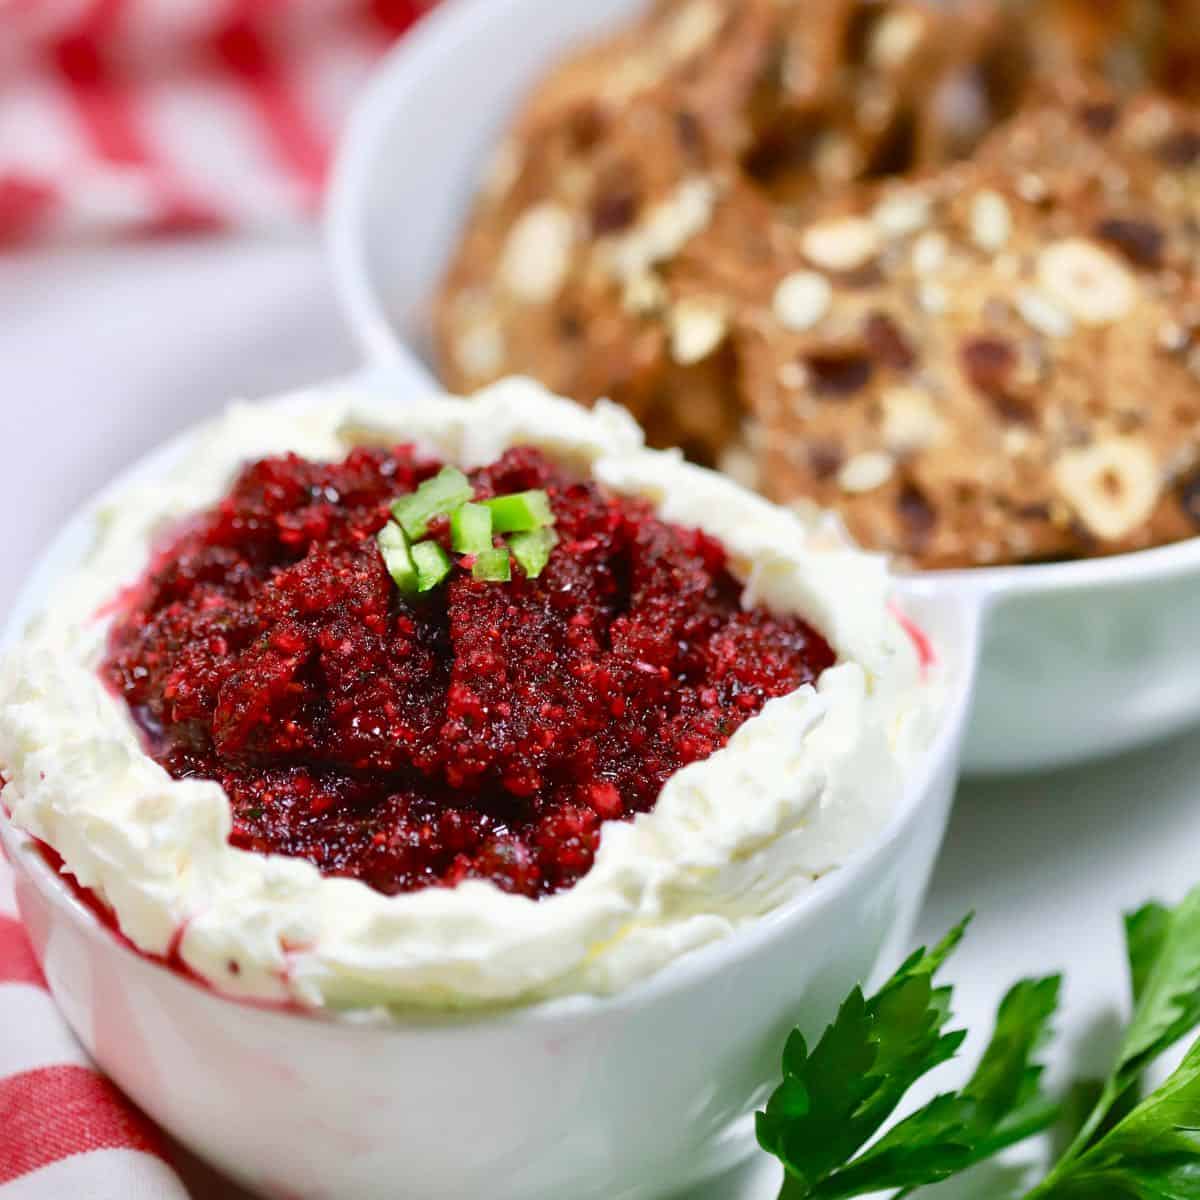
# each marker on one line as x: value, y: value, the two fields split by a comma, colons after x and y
x: 794, y: 1189
x: 1089, y: 1128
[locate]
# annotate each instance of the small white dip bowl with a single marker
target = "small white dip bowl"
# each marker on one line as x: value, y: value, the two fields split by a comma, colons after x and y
x: 597, y: 1098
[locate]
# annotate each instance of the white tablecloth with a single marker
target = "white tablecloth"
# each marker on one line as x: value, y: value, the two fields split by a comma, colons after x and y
x: 105, y: 352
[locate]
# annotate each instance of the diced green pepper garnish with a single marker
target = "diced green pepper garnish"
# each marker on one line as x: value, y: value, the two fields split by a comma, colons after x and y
x: 493, y: 566
x: 393, y: 545
x: 442, y: 494
x: 471, y: 529
x: 520, y: 512
x: 433, y: 565
x: 532, y: 549
x: 419, y: 565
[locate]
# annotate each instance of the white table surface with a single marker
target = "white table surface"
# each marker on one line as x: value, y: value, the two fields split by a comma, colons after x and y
x: 105, y: 352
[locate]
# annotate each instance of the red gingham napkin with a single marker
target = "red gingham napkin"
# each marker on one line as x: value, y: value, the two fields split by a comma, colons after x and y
x: 64, y: 1129
x: 124, y: 117
x: 151, y: 116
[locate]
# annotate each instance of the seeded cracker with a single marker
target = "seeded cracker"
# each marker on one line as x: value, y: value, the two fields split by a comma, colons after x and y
x: 650, y: 179
x: 986, y: 363
x: 1014, y: 374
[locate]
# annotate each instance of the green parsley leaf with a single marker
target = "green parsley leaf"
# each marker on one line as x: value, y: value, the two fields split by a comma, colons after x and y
x: 823, y: 1120
x: 1164, y: 954
x: 1000, y: 1106
x: 1145, y: 935
x: 1169, y: 1001
x: 927, y: 1147
x: 1006, y: 1087
x: 833, y: 1102
x: 1153, y: 1154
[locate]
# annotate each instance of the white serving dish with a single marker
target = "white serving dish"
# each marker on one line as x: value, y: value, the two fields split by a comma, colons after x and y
x: 1080, y: 659
x: 626, y: 1096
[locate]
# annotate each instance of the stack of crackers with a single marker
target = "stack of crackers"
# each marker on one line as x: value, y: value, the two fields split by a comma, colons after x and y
x: 934, y: 267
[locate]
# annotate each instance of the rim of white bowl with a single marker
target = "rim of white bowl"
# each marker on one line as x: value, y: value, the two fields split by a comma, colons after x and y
x: 1154, y: 564
x: 62, y: 555
x: 402, y: 69
x: 437, y: 37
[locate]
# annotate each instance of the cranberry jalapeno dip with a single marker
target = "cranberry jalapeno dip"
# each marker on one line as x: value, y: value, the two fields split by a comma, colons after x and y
x: 339, y: 724
x: 480, y: 728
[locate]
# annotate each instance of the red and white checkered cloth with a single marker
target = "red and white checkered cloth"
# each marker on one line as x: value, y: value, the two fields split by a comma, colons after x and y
x: 136, y: 117
x: 151, y: 116
x: 64, y: 1129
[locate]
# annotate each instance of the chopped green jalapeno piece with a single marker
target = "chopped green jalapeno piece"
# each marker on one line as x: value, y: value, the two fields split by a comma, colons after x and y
x: 393, y: 545
x: 520, y: 512
x: 419, y: 565
x: 433, y: 565
x: 445, y: 492
x: 493, y: 566
x: 532, y: 550
x: 471, y: 529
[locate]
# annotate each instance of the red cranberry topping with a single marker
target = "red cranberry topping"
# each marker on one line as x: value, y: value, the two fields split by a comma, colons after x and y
x: 482, y: 730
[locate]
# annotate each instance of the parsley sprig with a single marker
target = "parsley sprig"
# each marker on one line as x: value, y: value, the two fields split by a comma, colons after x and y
x: 1152, y: 1150
x: 824, y: 1121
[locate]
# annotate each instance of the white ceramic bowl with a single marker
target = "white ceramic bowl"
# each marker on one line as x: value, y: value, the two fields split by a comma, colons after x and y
x: 1080, y: 659
x: 595, y: 1098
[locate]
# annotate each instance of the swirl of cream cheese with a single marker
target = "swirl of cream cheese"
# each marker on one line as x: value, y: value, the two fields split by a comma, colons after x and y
x: 796, y: 789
